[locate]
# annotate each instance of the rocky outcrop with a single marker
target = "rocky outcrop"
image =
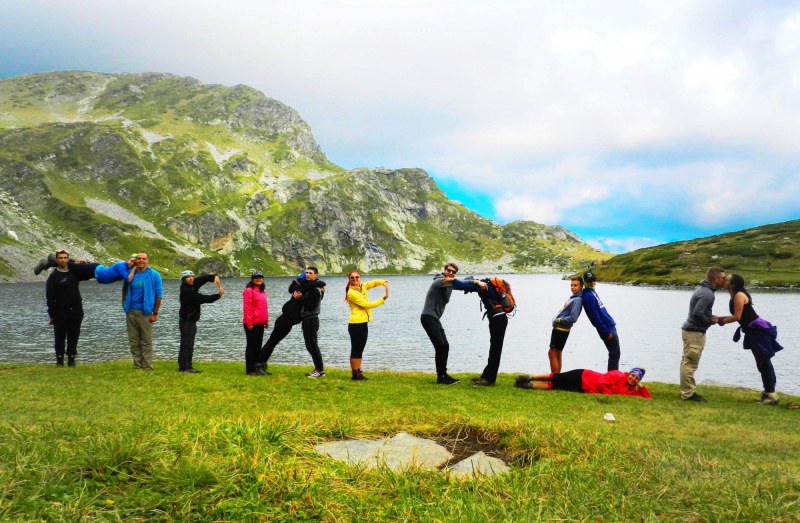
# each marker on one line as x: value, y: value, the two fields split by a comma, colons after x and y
x: 221, y: 178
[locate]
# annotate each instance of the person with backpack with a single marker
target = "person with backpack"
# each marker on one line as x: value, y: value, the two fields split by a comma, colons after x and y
x: 497, y: 300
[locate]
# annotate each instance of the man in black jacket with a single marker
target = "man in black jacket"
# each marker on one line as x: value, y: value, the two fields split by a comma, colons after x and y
x: 189, y: 313
x: 303, y: 307
x: 65, y: 308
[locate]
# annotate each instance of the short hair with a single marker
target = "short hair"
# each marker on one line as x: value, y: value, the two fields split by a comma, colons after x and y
x: 577, y: 279
x: 451, y: 264
x: 312, y: 268
x: 713, y: 272
x: 61, y: 251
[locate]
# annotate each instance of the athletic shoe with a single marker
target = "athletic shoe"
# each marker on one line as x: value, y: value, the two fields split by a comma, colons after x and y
x: 359, y: 377
x: 42, y: 265
x: 521, y: 379
x: 696, y: 397
x: 482, y: 382
x: 70, y: 361
x: 59, y: 361
x: 770, y: 398
x: 316, y: 374
x: 446, y: 379
x: 523, y: 384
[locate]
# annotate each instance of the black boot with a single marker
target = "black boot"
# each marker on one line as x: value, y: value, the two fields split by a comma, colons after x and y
x: 70, y: 361
x: 42, y: 265
x: 59, y: 361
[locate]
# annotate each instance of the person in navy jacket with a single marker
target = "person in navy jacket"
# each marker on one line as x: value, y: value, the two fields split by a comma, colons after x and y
x: 601, y: 319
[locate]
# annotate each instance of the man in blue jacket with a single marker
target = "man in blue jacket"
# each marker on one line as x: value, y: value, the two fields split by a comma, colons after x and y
x: 601, y: 319
x: 141, y: 301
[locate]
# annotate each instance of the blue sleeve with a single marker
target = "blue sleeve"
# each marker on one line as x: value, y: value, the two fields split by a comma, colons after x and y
x: 465, y: 286
x: 590, y: 306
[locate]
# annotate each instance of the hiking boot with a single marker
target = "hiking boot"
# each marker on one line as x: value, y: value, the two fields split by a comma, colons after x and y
x: 59, y: 361
x: 769, y: 398
x: 42, y: 265
x: 523, y: 384
x: 359, y: 377
x: 521, y: 380
x: 70, y: 361
x: 316, y: 374
x: 446, y: 379
x: 696, y: 397
x: 482, y: 382
x: 261, y: 369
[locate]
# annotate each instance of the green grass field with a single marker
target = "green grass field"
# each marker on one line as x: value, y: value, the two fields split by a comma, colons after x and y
x: 103, y: 442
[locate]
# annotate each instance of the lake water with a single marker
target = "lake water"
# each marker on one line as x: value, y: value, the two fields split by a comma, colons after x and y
x: 648, y: 322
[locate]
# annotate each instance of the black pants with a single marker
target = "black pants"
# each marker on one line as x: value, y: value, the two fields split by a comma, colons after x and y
x: 67, y: 330
x: 310, y: 329
x: 497, y: 333
x: 571, y: 380
x: 283, y: 326
x: 188, y: 330
x: 251, y: 352
x: 612, y: 346
x: 358, y: 339
x: 435, y: 331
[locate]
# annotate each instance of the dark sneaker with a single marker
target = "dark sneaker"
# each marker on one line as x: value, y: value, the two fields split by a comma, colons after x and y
x: 42, y: 265
x: 696, y: 397
x: 482, y: 382
x: 359, y: 377
x: 446, y: 380
x: 316, y: 374
x: 59, y: 361
x: 70, y: 361
x: 523, y: 384
x: 521, y: 379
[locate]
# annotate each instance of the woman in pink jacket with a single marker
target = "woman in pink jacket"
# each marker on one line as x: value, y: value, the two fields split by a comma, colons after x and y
x: 255, y: 321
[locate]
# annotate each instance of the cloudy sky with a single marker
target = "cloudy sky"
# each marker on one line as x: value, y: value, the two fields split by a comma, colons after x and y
x: 631, y: 123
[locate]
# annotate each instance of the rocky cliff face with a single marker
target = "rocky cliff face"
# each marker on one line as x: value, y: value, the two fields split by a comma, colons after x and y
x: 224, y: 179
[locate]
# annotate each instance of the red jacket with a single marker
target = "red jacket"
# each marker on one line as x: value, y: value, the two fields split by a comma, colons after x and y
x: 255, y: 307
x: 612, y: 382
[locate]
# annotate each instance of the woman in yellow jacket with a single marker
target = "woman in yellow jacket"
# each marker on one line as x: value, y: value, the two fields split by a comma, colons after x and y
x: 360, y: 315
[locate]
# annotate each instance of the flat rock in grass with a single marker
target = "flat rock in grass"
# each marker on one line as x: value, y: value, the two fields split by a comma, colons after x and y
x: 478, y: 464
x: 399, y: 452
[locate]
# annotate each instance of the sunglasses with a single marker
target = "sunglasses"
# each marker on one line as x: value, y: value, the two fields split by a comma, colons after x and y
x: 355, y: 277
x: 451, y: 270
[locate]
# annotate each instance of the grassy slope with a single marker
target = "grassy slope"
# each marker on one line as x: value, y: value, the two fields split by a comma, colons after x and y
x: 744, y: 252
x: 178, y: 177
x: 104, y: 442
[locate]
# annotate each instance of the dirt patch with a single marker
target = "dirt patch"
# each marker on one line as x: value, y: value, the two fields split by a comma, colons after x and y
x: 463, y: 442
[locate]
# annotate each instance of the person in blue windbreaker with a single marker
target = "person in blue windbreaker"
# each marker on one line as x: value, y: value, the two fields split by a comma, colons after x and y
x: 601, y: 319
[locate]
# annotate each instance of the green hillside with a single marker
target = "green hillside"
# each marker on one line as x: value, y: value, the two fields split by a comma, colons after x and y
x: 768, y: 256
x: 224, y: 179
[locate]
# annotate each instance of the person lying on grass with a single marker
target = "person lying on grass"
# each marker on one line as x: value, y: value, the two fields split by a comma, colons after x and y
x: 588, y: 381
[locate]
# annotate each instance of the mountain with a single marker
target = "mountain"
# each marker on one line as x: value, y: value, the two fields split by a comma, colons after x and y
x: 223, y: 179
x: 767, y: 256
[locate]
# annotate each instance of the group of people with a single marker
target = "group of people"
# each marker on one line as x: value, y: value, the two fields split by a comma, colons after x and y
x: 143, y: 290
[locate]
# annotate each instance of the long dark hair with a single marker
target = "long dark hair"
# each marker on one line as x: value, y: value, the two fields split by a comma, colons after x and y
x: 737, y: 285
x: 252, y: 284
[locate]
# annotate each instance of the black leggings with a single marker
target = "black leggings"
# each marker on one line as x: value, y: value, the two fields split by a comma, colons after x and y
x: 571, y: 380
x: 358, y: 339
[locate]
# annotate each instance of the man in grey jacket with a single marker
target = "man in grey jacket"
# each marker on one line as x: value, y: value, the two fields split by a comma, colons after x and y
x: 694, y: 329
x: 435, y: 301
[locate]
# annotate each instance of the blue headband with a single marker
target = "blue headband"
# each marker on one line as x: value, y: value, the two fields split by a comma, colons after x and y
x: 639, y: 372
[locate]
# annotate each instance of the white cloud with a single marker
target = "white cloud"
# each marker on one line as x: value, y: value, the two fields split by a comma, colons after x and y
x: 641, y: 102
